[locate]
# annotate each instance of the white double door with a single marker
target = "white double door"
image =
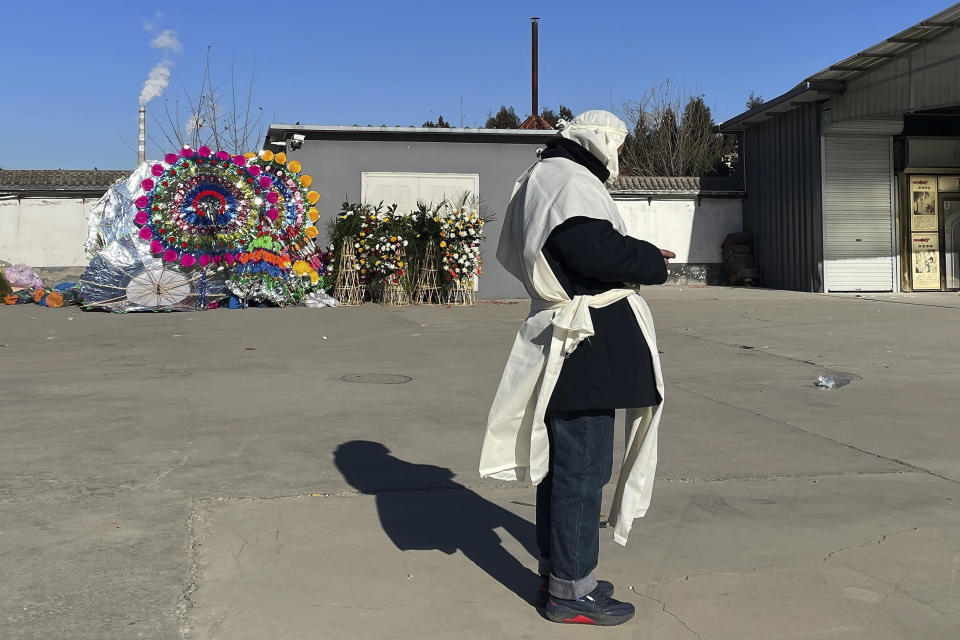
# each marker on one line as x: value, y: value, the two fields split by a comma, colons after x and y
x: 406, y: 189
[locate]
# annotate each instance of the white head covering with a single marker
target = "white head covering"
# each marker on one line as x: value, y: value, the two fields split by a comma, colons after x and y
x: 543, y: 199
x: 599, y: 132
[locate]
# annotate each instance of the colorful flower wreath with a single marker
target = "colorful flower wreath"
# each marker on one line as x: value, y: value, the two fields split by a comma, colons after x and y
x: 202, y: 207
x: 290, y: 213
x: 261, y: 273
x: 461, y: 232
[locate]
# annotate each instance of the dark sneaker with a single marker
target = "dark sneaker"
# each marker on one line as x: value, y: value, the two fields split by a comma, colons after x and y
x: 543, y: 591
x: 593, y: 608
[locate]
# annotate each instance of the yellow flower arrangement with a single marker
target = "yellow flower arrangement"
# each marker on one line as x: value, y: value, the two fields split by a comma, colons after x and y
x: 313, y: 213
x: 311, y: 231
x: 294, y: 166
x: 312, y: 197
x: 280, y: 158
x: 302, y: 268
x: 306, y: 180
x: 267, y: 155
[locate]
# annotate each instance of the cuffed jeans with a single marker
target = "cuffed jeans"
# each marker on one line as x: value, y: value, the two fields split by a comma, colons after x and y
x: 569, y: 497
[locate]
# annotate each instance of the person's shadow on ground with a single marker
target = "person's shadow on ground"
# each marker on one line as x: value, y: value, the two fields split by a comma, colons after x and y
x: 421, y: 507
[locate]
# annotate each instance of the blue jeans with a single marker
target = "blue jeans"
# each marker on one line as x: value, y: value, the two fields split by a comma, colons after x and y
x: 569, y: 497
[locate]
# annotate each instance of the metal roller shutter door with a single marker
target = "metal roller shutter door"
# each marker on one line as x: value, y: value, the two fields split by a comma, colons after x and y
x: 858, y: 220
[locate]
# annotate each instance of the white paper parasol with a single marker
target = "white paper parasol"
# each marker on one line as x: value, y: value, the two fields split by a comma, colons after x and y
x: 158, y: 288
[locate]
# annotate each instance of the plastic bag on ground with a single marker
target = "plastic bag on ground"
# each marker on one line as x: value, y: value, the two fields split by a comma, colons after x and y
x: 318, y: 299
x: 21, y: 275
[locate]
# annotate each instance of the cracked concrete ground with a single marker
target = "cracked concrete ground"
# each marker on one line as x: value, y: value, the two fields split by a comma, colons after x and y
x: 169, y: 476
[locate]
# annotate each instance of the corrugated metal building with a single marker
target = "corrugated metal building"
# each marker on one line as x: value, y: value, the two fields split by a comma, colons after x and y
x: 852, y: 178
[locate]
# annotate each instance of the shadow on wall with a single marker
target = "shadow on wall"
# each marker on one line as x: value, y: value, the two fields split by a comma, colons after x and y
x: 422, y: 508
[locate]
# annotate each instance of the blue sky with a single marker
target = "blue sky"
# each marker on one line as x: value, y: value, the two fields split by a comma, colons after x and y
x: 75, y: 69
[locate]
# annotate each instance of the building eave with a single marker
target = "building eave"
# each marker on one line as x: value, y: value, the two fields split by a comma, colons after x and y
x: 647, y: 193
x: 832, y: 80
x: 808, y: 91
x: 281, y: 133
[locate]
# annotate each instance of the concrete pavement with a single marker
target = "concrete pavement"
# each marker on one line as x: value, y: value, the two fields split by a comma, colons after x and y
x: 167, y: 476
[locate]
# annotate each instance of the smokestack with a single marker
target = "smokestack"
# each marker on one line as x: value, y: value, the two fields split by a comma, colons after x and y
x: 534, y: 22
x: 142, y: 141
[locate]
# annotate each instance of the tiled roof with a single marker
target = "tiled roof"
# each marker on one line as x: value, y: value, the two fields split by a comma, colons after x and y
x: 536, y: 122
x: 58, y: 180
x: 678, y: 184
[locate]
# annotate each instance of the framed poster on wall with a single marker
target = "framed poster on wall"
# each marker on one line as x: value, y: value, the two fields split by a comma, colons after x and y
x: 925, y: 264
x: 949, y: 184
x: 923, y: 203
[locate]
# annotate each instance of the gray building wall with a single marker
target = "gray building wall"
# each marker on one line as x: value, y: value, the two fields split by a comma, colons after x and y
x: 336, y: 164
x: 783, y: 207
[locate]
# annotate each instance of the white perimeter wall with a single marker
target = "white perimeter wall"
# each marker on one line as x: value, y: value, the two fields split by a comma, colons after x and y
x: 44, y: 232
x: 51, y: 232
x: 693, y: 231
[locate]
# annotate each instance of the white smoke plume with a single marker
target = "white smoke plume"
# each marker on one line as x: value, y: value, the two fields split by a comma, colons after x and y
x: 156, y: 82
x: 194, y: 123
x: 150, y: 25
x: 167, y: 40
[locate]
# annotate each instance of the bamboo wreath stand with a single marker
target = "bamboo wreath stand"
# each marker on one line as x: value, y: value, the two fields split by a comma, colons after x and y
x: 348, y: 289
x: 393, y: 294
x: 462, y: 294
x: 427, y: 287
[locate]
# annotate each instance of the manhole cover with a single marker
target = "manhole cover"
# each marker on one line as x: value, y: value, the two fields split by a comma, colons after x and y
x: 376, y: 378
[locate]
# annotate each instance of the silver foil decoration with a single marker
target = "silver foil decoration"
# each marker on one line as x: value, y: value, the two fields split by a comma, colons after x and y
x: 124, y: 276
x: 111, y: 217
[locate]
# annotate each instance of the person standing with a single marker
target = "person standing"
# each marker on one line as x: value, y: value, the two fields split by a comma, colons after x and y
x: 587, y: 348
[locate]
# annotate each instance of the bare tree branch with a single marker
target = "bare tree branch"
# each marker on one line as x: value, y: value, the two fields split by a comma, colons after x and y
x: 672, y: 135
x: 235, y: 128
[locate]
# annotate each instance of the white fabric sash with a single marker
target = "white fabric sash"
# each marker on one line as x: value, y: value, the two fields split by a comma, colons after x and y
x: 516, y: 443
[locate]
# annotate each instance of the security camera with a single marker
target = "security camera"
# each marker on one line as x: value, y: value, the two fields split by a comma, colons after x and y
x: 299, y: 137
x: 296, y: 140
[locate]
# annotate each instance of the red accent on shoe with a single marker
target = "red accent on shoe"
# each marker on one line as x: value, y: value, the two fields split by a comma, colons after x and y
x: 580, y: 619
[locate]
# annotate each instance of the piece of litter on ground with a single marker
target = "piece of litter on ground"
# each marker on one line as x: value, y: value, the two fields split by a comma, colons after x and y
x: 825, y: 383
x: 178, y: 335
x: 51, y: 337
x: 250, y: 348
x: 324, y: 337
x: 70, y: 318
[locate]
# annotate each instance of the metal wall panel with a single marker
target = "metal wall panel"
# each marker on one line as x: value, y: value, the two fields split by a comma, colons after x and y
x: 337, y: 166
x: 783, y: 204
x: 858, y: 219
x: 925, y: 77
